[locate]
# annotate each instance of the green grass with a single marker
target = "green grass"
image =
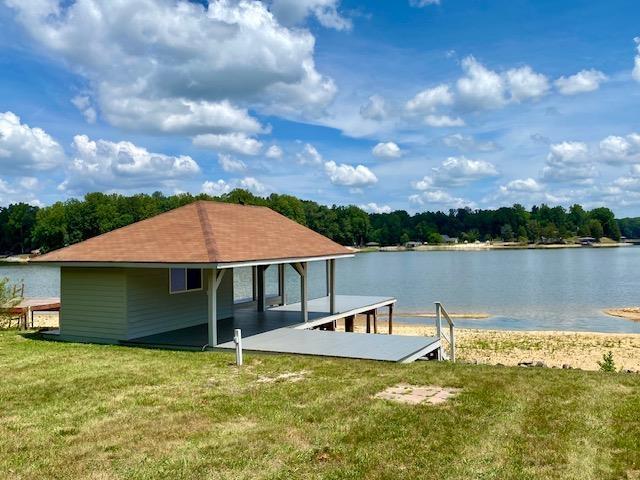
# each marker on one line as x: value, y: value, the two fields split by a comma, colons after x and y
x: 90, y: 411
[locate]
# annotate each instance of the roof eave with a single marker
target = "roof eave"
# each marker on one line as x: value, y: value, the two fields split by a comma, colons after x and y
x: 213, y: 265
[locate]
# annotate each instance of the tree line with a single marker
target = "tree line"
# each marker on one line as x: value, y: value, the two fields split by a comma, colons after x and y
x: 25, y: 228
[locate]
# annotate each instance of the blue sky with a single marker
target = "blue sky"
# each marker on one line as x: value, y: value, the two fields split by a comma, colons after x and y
x: 416, y: 104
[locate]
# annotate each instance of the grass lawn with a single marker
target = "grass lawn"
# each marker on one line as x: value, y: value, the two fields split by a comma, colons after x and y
x: 90, y: 411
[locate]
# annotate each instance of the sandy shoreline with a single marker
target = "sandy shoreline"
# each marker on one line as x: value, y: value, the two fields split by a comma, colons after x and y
x: 509, y: 347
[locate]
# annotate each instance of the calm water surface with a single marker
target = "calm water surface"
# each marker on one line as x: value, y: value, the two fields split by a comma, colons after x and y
x: 563, y: 289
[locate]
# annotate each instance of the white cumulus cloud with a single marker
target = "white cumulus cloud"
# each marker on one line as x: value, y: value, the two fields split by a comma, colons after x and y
x: 309, y: 155
x: 457, y: 171
x: 83, y: 103
x: 26, y: 149
x: 582, y: 82
x: 386, y: 150
x: 615, y: 149
x: 274, y: 151
x: 569, y: 162
x: 216, y: 189
x: 230, y: 164
x: 373, y: 207
x: 105, y: 165
x: 348, y: 175
x: 480, y: 88
x: 427, y: 101
x: 375, y: 108
x: 524, y: 83
x: 178, y: 67
x: 229, y: 142
x: 292, y: 12
x: 439, y: 200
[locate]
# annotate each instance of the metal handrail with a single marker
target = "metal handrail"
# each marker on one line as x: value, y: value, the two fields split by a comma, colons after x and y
x: 441, y: 312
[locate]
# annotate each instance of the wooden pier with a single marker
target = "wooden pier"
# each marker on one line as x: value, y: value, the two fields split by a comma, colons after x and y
x: 25, y: 308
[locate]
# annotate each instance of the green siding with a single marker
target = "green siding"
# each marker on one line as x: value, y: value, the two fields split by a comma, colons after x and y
x: 111, y: 304
x: 93, y: 303
x: 152, y: 309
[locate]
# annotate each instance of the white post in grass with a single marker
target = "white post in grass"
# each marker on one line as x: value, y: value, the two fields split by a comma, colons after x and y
x: 237, y: 339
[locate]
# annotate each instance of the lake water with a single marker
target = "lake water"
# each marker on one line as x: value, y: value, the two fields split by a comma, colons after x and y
x: 561, y: 289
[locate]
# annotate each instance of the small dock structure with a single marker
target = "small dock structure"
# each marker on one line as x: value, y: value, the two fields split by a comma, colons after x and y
x: 170, y: 281
x: 26, y: 307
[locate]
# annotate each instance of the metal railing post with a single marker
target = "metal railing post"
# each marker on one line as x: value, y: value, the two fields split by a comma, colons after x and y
x: 452, y: 345
x: 438, y: 320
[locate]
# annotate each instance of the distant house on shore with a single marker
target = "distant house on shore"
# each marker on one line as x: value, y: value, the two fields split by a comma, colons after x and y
x: 448, y: 239
x: 372, y: 244
x: 411, y: 245
x: 586, y: 241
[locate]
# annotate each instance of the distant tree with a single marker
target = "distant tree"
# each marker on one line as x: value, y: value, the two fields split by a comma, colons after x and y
x: 522, y: 234
x: 404, y: 238
x: 595, y: 229
x: 506, y: 232
x: 471, y: 236
x: 608, y: 222
x: 434, y: 238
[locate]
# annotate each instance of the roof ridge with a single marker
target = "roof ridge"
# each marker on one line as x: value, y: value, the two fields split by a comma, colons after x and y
x: 209, y: 239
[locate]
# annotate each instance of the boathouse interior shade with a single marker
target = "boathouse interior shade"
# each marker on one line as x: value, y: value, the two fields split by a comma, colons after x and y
x: 208, y: 232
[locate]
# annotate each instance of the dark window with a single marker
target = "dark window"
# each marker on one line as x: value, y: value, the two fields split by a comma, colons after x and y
x: 194, y: 279
x: 184, y: 279
x: 178, y: 280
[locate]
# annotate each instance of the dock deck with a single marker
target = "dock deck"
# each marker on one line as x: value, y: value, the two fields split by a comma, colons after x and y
x: 366, y: 346
x: 279, y: 330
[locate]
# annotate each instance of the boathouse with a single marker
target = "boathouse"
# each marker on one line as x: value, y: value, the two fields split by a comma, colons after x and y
x: 171, y: 281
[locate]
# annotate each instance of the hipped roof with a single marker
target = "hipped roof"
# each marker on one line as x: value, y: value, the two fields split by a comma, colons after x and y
x: 203, y: 232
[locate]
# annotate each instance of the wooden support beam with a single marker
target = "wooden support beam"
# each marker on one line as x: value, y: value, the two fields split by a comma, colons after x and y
x: 368, y: 314
x: 391, y: 319
x: 375, y: 321
x: 348, y: 323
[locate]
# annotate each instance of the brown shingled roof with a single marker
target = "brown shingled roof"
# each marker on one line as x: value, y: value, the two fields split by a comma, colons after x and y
x: 203, y: 232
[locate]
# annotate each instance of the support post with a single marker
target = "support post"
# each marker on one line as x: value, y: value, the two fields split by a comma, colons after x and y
x: 368, y: 322
x: 254, y: 283
x: 452, y: 352
x: 391, y: 319
x: 438, y: 320
x: 212, y: 293
x: 261, y: 290
x: 327, y: 265
x: 439, y: 328
x: 375, y: 321
x: 332, y: 285
x: 304, y: 292
x: 348, y: 323
x: 281, y: 284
